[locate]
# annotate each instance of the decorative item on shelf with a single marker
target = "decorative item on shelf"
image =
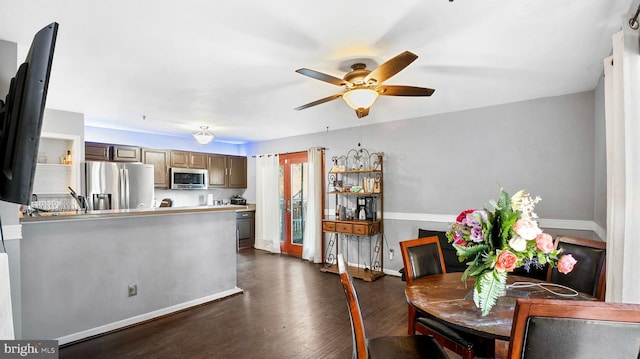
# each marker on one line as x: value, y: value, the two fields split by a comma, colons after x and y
x: 68, y: 159
x: 493, y: 242
x: 204, y: 136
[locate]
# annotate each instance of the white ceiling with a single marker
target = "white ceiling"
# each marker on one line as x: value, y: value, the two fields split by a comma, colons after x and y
x: 230, y: 64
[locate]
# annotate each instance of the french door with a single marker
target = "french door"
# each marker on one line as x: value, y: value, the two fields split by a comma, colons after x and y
x: 294, y: 181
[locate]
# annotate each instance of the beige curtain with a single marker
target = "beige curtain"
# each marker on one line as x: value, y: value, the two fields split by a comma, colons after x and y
x: 622, y: 111
x: 312, y: 245
x: 267, y: 203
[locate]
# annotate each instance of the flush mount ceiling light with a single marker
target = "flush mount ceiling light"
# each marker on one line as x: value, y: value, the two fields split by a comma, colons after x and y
x: 204, y: 136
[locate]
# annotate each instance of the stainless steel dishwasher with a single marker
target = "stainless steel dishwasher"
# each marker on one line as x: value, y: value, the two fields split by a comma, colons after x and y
x: 245, y: 229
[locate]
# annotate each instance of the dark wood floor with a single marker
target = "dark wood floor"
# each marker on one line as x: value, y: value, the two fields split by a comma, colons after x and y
x: 289, y: 310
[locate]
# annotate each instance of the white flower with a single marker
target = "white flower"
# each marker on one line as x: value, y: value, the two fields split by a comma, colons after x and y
x: 518, y: 244
x: 527, y: 229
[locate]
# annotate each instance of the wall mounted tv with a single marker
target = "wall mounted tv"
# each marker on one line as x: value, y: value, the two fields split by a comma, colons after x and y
x: 21, y: 118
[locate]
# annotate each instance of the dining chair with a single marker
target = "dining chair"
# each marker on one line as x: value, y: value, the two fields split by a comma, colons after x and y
x: 411, y: 346
x: 589, y: 274
x: 551, y: 328
x: 423, y: 257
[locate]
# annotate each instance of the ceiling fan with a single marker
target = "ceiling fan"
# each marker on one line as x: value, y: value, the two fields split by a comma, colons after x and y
x: 362, y: 87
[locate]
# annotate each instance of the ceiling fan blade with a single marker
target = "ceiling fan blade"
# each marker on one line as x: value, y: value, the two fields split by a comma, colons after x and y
x: 391, y: 90
x: 317, y: 102
x: 391, y: 67
x: 361, y: 112
x: 322, y: 77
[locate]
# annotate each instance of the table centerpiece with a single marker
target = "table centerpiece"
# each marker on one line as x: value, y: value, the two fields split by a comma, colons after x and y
x: 496, y: 241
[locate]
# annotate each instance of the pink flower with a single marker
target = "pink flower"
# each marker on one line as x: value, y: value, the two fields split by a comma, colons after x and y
x: 566, y: 263
x: 506, y: 261
x: 544, y: 242
x: 526, y: 229
x: 463, y: 215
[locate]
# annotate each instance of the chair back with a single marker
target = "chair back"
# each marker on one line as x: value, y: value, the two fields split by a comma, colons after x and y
x: 357, y: 325
x: 449, y: 254
x: 422, y: 257
x: 544, y: 328
x: 589, y: 274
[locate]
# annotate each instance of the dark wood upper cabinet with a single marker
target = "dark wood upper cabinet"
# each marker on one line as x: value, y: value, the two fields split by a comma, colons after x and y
x: 198, y: 160
x: 160, y: 161
x: 184, y: 159
x: 125, y: 153
x: 94, y: 151
x: 237, y: 176
x: 179, y: 159
x: 97, y: 151
x: 217, y: 168
x: 227, y: 171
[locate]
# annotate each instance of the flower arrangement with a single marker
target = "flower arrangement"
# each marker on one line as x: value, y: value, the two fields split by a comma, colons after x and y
x: 496, y: 241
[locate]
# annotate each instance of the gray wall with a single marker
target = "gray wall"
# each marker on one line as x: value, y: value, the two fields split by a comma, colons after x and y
x: 443, y: 164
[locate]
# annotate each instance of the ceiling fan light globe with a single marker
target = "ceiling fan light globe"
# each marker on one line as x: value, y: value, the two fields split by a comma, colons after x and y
x: 203, y: 136
x: 360, y: 98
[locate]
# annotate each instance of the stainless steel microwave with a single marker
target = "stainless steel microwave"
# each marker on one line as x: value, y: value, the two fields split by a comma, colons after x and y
x: 188, y: 178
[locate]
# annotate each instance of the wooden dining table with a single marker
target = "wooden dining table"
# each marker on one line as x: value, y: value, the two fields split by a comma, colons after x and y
x: 448, y: 299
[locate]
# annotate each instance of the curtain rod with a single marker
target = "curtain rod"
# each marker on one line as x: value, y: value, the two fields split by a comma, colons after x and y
x: 286, y: 153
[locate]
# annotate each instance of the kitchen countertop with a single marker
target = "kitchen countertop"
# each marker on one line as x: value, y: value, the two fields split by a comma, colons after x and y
x: 78, y: 215
x: 250, y: 207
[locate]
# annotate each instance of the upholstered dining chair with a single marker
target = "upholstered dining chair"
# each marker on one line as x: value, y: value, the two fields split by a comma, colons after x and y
x: 423, y: 257
x: 412, y: 346
x: 546, y: 328
x: 589, y: 274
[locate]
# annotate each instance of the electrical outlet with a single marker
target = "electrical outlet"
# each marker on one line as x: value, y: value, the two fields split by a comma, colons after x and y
x: 133, y: 290
x: 391, y: 254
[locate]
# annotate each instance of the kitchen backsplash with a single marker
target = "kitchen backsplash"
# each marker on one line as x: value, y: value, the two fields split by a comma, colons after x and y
x: 193, y: 197
x: 181, y: 198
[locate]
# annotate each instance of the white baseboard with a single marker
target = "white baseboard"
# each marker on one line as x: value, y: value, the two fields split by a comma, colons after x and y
x: 574, y: 224
x: 392, y: 272
x: 144, y: 317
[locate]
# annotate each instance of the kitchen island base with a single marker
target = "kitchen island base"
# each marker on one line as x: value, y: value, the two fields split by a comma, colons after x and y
x: 75, y: 273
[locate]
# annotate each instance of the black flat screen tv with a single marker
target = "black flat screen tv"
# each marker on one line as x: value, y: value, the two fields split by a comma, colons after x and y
x: 21, y: 118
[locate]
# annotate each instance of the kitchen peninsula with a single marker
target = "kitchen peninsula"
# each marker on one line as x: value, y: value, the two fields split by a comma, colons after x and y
x: 79, y: 271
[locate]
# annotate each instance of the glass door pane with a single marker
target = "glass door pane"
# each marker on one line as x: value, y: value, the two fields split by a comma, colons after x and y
x: 298, y: 201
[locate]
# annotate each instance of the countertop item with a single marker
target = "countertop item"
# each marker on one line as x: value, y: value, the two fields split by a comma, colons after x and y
x: 238, y: 200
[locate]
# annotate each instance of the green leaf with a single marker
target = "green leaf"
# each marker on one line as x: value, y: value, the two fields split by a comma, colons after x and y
x: 468, y: 252
x: 489, y: 287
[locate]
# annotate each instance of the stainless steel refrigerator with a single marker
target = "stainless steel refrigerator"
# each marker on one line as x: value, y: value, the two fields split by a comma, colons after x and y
x: 114, y: 185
